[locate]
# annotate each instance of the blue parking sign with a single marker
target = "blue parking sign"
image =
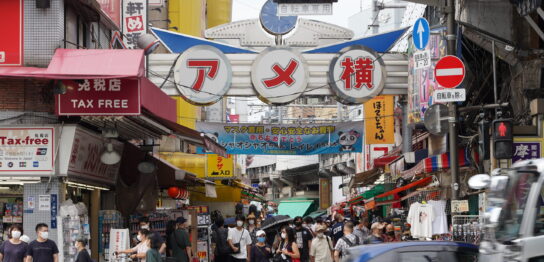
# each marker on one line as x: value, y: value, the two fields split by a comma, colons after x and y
x: 421, y: 33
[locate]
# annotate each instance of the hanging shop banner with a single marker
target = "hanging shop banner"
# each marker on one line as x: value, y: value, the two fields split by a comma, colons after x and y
x: 219, y: 167
x: 134, y: 21
x: 104, y: 97
x: 85, y: 156
x: 203, y: 75
x: 421, y: 80
x: 356, y: 75
x: 279, y: 75
x: 379, y: 121
x: 27, y: 150
x: 293, y: 139
x: 526, y: 150
x: 11, y: 46
x: 112, y: 8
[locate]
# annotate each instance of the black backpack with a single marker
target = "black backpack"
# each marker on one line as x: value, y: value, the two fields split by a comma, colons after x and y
x: 222, y: 247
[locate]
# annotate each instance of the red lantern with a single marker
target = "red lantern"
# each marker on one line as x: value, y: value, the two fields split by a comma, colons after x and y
x: 173, y: 192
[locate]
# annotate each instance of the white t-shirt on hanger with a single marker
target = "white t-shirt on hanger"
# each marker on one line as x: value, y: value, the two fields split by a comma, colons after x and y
x: 440, y: 222
x: 421, y: 218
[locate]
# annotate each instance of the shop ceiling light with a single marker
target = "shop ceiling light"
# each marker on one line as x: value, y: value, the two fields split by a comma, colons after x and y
x: 110, y: 156
x: 83, y: 186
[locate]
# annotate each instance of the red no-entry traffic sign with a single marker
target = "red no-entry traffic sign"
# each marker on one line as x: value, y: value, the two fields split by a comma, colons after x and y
x: 449, y: 72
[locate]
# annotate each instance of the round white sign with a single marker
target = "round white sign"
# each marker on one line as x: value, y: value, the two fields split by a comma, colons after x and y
x: 356, y: 75
x: 202, y: 74
x: 279, y: 75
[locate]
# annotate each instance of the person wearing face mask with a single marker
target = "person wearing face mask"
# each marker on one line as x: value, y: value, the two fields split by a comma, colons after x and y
x: 42, y: 249
x: 303, y: 239
x: 145, y: 224
x: 390, y: 235
x: 180, y: 243
x: 82, y: 253
x: 239, y: 241
x: 140, y: 250
x: 288, y: 248
x: 13, y: 250
x: 252, y: 228
x: 321, y: 249
x: 260, y: 251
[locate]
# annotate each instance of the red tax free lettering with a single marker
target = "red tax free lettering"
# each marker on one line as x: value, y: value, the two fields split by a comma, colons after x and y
x: 23, y: 141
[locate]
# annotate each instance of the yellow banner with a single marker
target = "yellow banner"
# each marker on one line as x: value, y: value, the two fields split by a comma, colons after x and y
x: 379, y: 121
x: 220, y: 167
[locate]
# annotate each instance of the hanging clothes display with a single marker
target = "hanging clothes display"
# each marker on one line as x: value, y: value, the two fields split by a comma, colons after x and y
x: 440, y: 222
x: 421, y: 218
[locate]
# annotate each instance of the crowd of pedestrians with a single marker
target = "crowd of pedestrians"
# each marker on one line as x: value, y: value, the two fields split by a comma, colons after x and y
x: 302, y: 240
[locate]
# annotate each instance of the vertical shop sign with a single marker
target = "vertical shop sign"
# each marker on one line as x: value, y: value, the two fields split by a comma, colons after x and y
x: 53, y: 211
x: 134, y: 21
x: 379, y: 124
x: 112, y: 9
x: 220, y: 167
x: 526, y: 150
x: 11, y: 46
x: 119, y: 240
x: 324, y: 193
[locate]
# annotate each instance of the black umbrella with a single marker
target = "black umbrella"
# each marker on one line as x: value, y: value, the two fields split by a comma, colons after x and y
x: 274, y: 221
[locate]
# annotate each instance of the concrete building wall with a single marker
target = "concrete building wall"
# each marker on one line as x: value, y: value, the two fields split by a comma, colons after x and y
x: 44, y: 31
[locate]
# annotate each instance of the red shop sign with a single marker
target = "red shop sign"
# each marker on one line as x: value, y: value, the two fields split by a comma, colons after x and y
x: 99, y: 97
x: 11, y: 45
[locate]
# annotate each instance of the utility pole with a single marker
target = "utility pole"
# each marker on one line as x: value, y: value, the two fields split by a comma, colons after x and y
x: 454, y: 163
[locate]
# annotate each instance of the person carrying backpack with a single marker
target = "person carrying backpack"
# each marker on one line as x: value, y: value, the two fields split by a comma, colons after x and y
x: 345, y: 242
x: 219, y: 238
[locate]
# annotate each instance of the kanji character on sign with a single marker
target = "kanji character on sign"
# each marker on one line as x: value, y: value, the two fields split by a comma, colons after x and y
x: 522, y: 151
x: 134, y: 8
x: 85, y: 86
x: 362, y: 69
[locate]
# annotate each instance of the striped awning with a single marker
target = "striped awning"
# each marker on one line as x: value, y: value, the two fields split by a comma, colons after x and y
x: 436, y: 163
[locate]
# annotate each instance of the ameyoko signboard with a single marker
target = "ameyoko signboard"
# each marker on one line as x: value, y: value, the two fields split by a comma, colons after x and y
x: 11, y: 32
x: 27, y: 150
x: 99, y: 97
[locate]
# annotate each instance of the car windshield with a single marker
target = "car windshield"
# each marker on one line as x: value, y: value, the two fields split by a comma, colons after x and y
x: 513, y: 204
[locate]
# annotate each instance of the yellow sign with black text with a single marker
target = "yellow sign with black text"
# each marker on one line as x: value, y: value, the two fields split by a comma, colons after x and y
x: 379, y: 120
x: 220, y: 167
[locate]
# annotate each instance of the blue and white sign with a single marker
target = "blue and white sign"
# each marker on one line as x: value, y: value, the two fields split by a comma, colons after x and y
x: 421, y: 33
x: 286, y: 139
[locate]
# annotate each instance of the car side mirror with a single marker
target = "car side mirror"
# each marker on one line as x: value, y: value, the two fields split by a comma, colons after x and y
x: 479, y: 181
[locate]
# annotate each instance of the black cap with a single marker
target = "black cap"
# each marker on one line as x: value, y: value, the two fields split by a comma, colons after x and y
x: 181, y: 220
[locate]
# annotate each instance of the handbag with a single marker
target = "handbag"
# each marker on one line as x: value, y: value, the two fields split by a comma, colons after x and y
x: 237, y: 245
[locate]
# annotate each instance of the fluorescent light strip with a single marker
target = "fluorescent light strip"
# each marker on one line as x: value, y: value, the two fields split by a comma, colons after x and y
x: 83, y: 186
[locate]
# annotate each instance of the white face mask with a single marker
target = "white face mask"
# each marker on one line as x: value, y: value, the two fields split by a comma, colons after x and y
x: 145, y: 227
x: 44, y: 234
x: 251, y: 222
x: 239, y: 223
x: 320, y: 235
x: 283, y: 235
x: 139, y: 238
x: 16, y: 234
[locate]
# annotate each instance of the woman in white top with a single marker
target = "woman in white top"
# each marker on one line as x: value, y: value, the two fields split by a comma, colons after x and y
x: 138, y: 252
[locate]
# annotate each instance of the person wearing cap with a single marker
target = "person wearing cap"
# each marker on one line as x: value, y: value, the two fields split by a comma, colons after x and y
x: 321, y: 249
x: 82, y: 253
x: 180, y: 243
x: 260, y: 251
x: 377, y: 233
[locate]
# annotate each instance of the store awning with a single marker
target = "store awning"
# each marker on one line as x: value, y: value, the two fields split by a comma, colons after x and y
x: 436, y: 163
x: 295, y: 208
x: 317, y: 214
x: 169, y: 175
x: 85, y: 64
x: 365, y: 178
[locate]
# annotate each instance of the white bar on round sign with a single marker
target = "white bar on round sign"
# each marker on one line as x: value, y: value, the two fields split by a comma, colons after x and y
x: 449, y: 72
